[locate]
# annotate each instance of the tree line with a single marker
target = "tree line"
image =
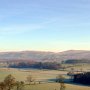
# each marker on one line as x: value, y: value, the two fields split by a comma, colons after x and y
x: 76, y: 61
x: 83, y: 78
x: 37, y: 65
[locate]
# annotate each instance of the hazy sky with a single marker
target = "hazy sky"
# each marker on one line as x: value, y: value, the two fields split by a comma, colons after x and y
x: 50, y: 25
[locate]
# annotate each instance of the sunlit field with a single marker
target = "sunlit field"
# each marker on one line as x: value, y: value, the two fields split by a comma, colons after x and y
x: 21, y: 74
x: 53, y: 86
x: 45, y: 76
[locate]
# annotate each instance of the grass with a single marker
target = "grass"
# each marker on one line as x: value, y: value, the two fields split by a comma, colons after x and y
x: 40, y: 75
x: 54, y: 86
x: 83, y: 66
x: 37, y: 74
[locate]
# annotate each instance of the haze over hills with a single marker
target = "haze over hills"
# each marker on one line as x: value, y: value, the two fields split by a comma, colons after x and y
x: 45, y: 56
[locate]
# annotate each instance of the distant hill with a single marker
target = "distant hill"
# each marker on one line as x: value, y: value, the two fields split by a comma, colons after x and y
x: 45, y: 56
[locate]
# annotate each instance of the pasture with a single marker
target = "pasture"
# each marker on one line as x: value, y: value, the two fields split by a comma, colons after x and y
x: 45, y: 76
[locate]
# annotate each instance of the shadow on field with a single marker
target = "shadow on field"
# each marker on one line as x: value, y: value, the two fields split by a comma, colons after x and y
x: 51, y: 80
x: 67, y: 81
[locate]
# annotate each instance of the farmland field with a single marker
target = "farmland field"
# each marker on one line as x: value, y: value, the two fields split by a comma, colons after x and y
x: 45, y: 76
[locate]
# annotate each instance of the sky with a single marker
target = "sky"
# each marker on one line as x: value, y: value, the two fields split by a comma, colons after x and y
x: 44, y: 25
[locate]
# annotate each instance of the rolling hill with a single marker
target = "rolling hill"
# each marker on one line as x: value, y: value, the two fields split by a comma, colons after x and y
x: 45, y: 56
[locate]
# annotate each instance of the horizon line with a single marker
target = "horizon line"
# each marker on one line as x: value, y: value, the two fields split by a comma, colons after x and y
x: 2, y: 51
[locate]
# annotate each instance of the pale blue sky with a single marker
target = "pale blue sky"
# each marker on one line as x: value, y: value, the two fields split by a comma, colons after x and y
x: 45, y: 25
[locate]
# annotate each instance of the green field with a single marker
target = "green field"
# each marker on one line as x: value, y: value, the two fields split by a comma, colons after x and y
x: 45, y: 76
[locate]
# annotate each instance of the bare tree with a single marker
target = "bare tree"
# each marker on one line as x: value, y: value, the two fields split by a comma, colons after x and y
x: 9, y: 81
x: 2, y: 86
x: 30, y: 79
x: 71, y: 73
x: 60, y: 79
x: 19, y: 85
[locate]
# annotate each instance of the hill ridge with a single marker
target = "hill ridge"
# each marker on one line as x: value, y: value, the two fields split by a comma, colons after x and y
x: 45, y: 56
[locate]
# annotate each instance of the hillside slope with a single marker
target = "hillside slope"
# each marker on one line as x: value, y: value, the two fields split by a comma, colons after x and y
x: 45, y: 56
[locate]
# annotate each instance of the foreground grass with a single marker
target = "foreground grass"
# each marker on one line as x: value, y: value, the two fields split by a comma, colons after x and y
x: 54, y: 86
